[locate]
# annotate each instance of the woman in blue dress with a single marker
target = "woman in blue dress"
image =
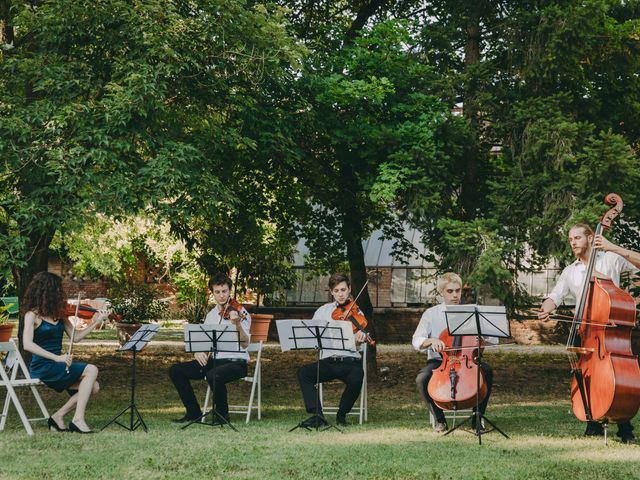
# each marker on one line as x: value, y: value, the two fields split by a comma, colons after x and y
x: 44, y: 324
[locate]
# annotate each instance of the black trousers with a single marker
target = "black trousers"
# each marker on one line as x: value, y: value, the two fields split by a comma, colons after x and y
x: 226, y: 371
x: 349, y: 371
x: 422, y: 381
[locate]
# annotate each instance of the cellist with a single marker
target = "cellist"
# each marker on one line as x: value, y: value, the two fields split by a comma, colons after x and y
x: 611, y: 261
x: 343, y: 365
x: 426, y: 339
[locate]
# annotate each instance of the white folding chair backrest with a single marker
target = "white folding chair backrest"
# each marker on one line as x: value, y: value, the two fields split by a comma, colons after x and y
x: 10, y: 368
x: 256, y: 388
x: 363, y: 408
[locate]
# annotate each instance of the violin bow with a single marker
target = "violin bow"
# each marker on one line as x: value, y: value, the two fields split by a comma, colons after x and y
x: 346, y: 315
x: 73, y: 327
x: 353, y: 320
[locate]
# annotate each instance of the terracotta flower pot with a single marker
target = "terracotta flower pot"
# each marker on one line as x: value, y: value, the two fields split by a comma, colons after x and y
x: 260, y: 326
x: 5, y: 332
x: 125, y: 330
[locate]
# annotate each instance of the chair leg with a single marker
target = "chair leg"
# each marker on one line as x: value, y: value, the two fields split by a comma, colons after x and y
x: 259, y: 374
x: 205, y: 408
x: 253, y: 391
x: 16, y: 403
x: 43, y: 408
x: 5, y: 410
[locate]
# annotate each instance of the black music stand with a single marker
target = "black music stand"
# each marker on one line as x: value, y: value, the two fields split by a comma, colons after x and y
x: 479, y: 321
x: 136, y: 343
x: 316, y: 335
x: 212, y: 339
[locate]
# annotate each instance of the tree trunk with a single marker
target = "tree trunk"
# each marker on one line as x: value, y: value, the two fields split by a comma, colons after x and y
x: 6, y: 28
x: 37, y: 262
x: 471, y: 109
x: 352, y: 232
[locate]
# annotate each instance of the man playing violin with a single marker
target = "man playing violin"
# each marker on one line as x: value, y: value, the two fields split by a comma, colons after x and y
x: 230, y: 366
x: 426, y: 339
x: 345, y: 366
x: 611, y: 261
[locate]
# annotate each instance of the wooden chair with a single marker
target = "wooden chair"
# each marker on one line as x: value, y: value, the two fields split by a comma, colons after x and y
x: 11, y: 368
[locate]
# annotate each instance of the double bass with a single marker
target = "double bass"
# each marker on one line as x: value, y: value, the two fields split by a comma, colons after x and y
x: 606, y: 377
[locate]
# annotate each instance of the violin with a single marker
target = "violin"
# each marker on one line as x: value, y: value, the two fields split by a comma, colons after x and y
x: 350, y: 311
x: 454, y: 383
x: 85, y: 311
x: 233, y: 305
x: 606, y: 377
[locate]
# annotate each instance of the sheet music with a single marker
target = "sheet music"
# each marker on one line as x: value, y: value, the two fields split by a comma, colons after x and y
x: 199, y: 338
x: 337, y: 336
x: 141, y: 338
x: 493, y: 320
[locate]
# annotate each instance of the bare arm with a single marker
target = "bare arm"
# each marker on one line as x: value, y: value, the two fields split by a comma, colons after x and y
x: 607, y: 246
x: 80, y: 334
x: 546, y: 308
x: 30, y: 324
x: 435, y: 343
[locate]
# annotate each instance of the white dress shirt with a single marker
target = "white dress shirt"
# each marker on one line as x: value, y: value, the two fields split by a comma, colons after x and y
x: 432, y: 323
x: 572, y: 277
x: 324, y: 313
x: 214, y: 318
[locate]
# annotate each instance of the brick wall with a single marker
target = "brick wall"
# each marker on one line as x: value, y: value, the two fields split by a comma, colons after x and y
x: 396, y: 325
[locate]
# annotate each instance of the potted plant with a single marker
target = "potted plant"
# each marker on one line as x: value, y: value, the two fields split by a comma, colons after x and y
x: 6, y: 327
x: 134, y: 305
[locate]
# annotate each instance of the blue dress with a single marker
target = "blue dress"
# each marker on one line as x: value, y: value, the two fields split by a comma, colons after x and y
x: 53, y: 374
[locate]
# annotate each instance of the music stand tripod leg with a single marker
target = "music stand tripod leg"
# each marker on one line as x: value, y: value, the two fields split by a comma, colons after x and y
x: 131, y: 408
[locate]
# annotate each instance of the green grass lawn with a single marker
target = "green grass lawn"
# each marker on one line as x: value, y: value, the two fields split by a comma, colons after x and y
x: 530, y: 404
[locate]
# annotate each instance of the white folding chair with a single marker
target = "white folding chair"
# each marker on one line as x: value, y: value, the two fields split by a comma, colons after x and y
x: 363, y: 409
x: 9, y: 369
x: 451, y: 415
x: 256, y: 387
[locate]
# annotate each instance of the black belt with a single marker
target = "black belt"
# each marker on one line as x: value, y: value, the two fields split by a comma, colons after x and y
x: 234, y: 360
x: 343, y: 359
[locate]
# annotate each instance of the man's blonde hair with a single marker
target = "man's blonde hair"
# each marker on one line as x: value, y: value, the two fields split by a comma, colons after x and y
x: 445, y: 278
x: 586, y: 229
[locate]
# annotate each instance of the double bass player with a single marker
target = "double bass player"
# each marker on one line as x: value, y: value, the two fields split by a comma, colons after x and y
x: 611, y: 260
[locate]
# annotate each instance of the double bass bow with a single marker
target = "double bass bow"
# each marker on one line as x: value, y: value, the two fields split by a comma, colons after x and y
x: 606, y: 377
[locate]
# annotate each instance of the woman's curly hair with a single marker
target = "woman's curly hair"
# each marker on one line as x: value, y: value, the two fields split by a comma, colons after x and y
x: 44, y: 295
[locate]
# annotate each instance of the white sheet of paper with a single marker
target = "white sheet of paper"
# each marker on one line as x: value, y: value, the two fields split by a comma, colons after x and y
x: 493, y: 320
x: 198, y: 338
x: 337, y: 336
x: 140, y: 339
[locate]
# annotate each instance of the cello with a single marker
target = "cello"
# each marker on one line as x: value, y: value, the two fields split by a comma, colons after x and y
x: 454, y: 383
x: 606, y: 377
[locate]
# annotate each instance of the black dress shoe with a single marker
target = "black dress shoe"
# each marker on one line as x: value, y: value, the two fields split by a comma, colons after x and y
x: 314, y: 421
x: 440, y: 427
x: 594, y: 429
x: 221, y: 421
x: 185, y: 419
x: 625, y: 433
x: 74, y: 428
x: 54, y: 427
